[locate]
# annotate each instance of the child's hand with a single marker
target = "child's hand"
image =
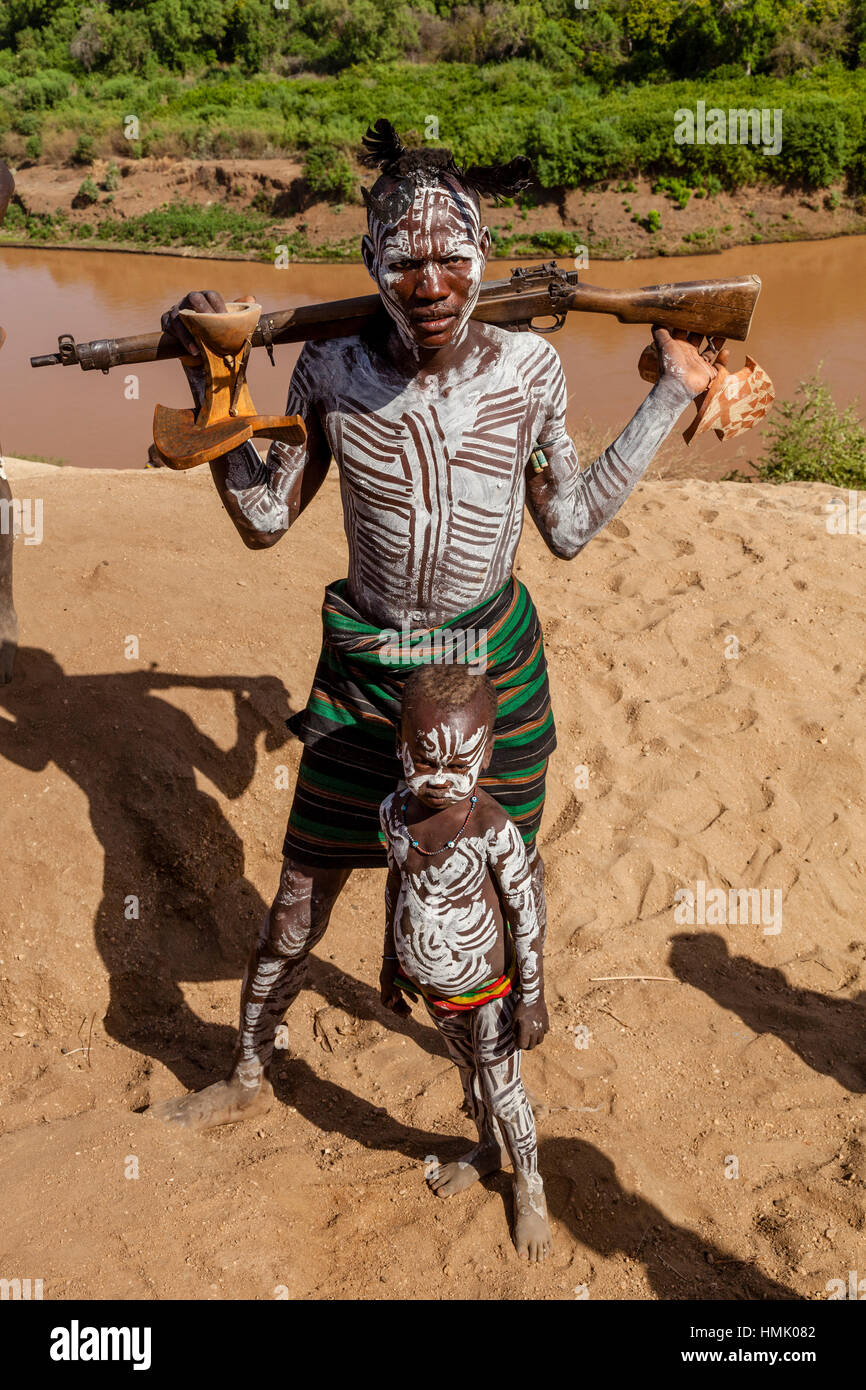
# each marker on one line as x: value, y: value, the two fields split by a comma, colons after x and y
x: 530, y: 1024
x: 389, y: 994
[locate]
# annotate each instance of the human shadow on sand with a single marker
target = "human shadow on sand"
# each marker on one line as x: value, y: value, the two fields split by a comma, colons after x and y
x: 828, y: 1034
x: 583, y: 1193
x: 165, y: 842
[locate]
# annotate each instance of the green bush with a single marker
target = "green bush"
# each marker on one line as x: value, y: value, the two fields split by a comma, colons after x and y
x: 329, y: 172
x: 556, y: 243
x: 83, y: 151
x: 678, y: 191
x: 811, y: 440
x: 87, y: 193
x: 125, y: 89
x: 35, y: 226
x: 15, y: 220
x: 814, y: 148
x: 856, y: 171
x: 46, y: 90
x: 26, y: 123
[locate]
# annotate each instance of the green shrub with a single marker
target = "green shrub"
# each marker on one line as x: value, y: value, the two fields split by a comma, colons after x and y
x: 814, y: 150
x: 15, y: 220
x: 26, y: 123
x: 33, y: 147
x: 678, y: 191
x: 35, y: 226
x: 558, y: 243
x: 125, y: 89
x: 83, y: 152
x: 811, y: 440
x: 328, y: 171
x: 46, y: 90
x: 87, y: 193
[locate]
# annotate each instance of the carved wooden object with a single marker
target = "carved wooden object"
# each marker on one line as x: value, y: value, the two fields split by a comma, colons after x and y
x: 227, y: 416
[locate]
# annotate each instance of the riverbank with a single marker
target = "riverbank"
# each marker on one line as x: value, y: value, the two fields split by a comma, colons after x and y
x: 157, y: 775
x: 264, y: 210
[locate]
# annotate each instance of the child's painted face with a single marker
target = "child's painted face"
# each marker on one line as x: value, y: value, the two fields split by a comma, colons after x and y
x: 442, y: 762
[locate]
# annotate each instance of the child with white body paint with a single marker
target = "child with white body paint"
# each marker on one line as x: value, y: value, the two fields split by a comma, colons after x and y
x: 462, y: 930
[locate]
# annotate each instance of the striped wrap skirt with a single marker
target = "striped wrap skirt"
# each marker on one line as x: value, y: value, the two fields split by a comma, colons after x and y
x: 350, y: 723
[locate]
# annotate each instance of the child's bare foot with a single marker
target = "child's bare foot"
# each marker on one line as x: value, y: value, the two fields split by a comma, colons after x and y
x: 450, y: 1178
x: 531, y: 1232
x: 223, y: 1103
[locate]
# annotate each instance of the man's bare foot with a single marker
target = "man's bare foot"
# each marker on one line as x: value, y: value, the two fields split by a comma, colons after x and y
x: 531, y: 1232
x: 450, y: 1178
x: 223, y: 1103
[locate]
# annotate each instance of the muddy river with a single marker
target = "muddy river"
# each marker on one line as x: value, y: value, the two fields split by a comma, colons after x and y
x: 812, y: 309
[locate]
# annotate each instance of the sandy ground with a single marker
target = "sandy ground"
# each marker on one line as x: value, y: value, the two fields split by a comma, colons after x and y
x: 610, y: 221
x: 154, y: 777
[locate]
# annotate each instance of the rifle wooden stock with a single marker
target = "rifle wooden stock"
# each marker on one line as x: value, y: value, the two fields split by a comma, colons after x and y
x: 711, y: 307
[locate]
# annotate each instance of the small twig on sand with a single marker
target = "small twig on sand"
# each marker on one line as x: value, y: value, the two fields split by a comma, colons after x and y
x: 677, y: 1272
x: 319, y: 1030
x: 620, y: 1021
x: 85, y: 1047
x: 666, y: 979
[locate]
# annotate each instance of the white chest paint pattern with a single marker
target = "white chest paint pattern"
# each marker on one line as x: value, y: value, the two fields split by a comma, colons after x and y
x: 445, y: 932
x: 432, y: 473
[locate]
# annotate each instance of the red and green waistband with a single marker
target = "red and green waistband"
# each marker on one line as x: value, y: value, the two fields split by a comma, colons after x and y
x: 457, y: 1003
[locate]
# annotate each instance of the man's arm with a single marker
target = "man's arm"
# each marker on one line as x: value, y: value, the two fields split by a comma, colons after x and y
x: 570, y: 506
x: 263, y: 497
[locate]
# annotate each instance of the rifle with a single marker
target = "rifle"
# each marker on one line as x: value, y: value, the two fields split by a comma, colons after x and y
x: 718, y: 309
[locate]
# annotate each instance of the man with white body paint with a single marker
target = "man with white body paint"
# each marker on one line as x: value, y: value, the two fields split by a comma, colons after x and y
x: 432, y: 419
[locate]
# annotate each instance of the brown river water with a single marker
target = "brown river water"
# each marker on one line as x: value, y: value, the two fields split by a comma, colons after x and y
x: 812, y: 309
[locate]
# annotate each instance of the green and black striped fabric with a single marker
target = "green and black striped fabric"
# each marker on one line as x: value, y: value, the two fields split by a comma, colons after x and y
x: 349, y: 726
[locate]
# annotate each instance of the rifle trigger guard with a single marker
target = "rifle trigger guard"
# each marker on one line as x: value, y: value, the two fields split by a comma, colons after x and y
x: 559, y: 320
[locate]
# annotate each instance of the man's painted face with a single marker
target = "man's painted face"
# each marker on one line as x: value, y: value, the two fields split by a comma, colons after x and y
x: 442, y: 763
x: 429, y: 265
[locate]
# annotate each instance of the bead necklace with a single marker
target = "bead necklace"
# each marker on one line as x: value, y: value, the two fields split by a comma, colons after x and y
x: 449, y: 844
